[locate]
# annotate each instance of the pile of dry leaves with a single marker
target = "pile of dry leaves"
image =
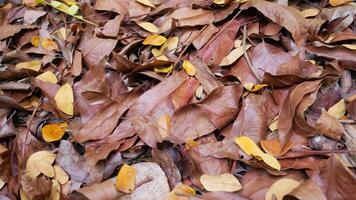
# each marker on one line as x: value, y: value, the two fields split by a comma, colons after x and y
x: 177, y: 100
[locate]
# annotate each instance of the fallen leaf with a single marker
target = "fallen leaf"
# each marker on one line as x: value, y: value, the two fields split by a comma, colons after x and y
x: 2, y: 184
x: 148, y: 26
x: 56, y: 191
x: 254, y: 87
x: 281, y: 188
x: 64, y: 99
x: 126, y: 179
x: 338, y: 110
x: 146, y: 3
x: 339, y: 2
x: 220, y: 183
x: 170, y: 45
x: 163, y: 125
x: 274, y: 125
x: 34, y: 65
x: 234, y: 55
x: 154, y: 40
x: 47, y: 76
x: 164, y: 70
x: 250, y: 148
x: 180, y: 192
x: 40, y: 162
x: 53, y: 132
x: 310, y: 12
x: 189, y: 68
x: 158, y: 54
x: 60, y: 175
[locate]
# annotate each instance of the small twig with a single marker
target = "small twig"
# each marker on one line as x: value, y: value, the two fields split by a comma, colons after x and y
x: 15, y: 86
x: 8, y: 120
x: 144, y: 181
x: 28, y: 129
x: 246, y: 56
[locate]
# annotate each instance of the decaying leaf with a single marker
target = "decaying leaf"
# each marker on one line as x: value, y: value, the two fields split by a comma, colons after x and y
x: 40, y: 162
x: 280, y: 188
x: 220, y: 183
x: 126, y: 179
x: 64, y: 99
x: 53, y: 132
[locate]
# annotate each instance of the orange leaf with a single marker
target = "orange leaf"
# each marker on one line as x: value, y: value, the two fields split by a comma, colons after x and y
x: 53, y: 132
x: 126, y: 179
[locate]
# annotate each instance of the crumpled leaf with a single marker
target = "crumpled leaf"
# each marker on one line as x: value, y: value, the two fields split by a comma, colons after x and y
x: 40, y: 162
x: 154, y: 40
x: 280, y: 188
x: 64, y: 99
x: 53, y: 132
x: 220, y: 183
x: 34, y: 65
x: 126, y: 179
x: 250, y: 148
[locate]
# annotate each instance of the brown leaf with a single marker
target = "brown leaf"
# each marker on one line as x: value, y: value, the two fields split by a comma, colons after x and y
x: 330, y: 126
x: 190, y: 17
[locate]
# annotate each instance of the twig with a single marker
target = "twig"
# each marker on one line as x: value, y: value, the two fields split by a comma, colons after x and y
x: 28, y: 129
x: 246, y: 56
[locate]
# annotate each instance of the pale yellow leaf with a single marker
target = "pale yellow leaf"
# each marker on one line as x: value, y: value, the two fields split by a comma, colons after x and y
x: 189, y: 68
x: 126, y: 179
x: 158, y: 54
x: 237, y: 43
x: 2, y: 184
x: 270, y: 161
x: 350, y: 46
x: 163, y: 125
x: 40, y: 162
x: 56, y: 191
x: 310, y: 12
x: 281, y: 188
x: 148, y: 26
x: 170, y: 45
x: 220, y: 183
x: 234, y: 55
x: 23, y: 195
x: 180, y: 192
x: 199, y: 93
x: 164, y: 70
x: 72, y: 10
x: 60, y: 175
x: 64, y: 99
x: 47, y: 76
x: 273, y: 126
x: 154, y: 40
x: 219, y: 2
x: 34, y: 65
x: 146, y: 3
x: 338, y: 110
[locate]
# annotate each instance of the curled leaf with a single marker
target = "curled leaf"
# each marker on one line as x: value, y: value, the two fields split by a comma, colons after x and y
x: 64, y: 99
x: 126, y: 179
x: 53, y: 132
x: 220, y: 183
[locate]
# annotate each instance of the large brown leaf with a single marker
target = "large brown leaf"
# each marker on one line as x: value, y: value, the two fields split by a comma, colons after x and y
x: 190, y: 17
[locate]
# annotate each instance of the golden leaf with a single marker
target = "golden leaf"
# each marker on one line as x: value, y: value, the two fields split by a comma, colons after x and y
x: 53, y: 132
x: 47, y: 76
x: 148, y: 26
x: 146, y: 3
x: 154, y: 40
x: 163, y: 125
x: 23, y: 195
x: 64, y: 99
x: 281, y: 188
x: 190, y: 143
x: 219, y: 2
x: 34, y: 65
x: 254, y: 87
x: 220, y: 183
x: 338, y: 2
x: 189, y: 68
x: 126, y: 179
x: 35, y: 41
x: 56, y: 191
x: 338, y: 110
x: 158, y: 54
x: 49, y: 44
x: 40, y: 162
x: 180, y: 192
x: 60, y: 175
x: 250, y: 148
x: 163, y: 70
x: 170, y: 45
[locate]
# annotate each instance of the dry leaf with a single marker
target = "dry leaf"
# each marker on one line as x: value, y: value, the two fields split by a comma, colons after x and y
x: 148, y: 26
x: 281, y: 188
x: 40, y: 162
x: 163, y: 125
x: 49, y: 44
x: 2, y: 184
x: 170, y: 45
x: 154, y: 40
x: 48, y: 76
x: 250, y: 148
x: 191, y: 144
x: 220, y: 183
x: 146, y: 3
x: 126, y: 179
x: 254, y: 87
x: 350, y: 46
x: 23, y: 195
x: 310, y: 12
x: 189, y: 68
x: 180, y: 192
x: 338, y: 2
x: 53, y: 132
x: 163, y: 70
x: 64, y: 99
x: 234, y: 55
x: 34, y: 65
x: 60, y: 175
x: 274, y: 125
x: 56, y: 191
x: 338, y: 110
x: 158, y: 55
x: 219, y: 2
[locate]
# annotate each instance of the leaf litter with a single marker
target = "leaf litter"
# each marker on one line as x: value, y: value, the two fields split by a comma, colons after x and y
x: 178, y: 100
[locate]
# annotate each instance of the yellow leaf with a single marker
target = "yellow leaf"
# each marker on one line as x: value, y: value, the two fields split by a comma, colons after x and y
x: 35, y: 41
x: 40, y: 162
x: 273, y: 126
x: 60, y: 175
x: 338, y: 2
x: 338, y: 110
x: 199, y: 93
x: 180, y: 191
x: 219, y: 2
x: 148, y: 26
x: 70, y: 2
x: 158, y: 54
x: 190, y: 143
x: 126, y: 179
x: 189, y: 68
x: 146, y: 3
x: 350, y: 46
x: 2, y: 184
x: 281, y: 188
x: 310, y: 12
x: 3, y: 149
x: 250, y: 148
x: 220, y: 183
x: 154, y: 40
x: 163, y: 70
x: 64, y: 99
x: 72, y: 10
x: 49, y: 44
x: 34, y: 101
x: 163, y: 125
x: 47, y: 76
x: 254, y: 87
x: 23, y: 195
x: 34, y: 65
x: 56, y: 191
x: 53, y: 132
x: 234, y: 55
x: 170, y: 45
